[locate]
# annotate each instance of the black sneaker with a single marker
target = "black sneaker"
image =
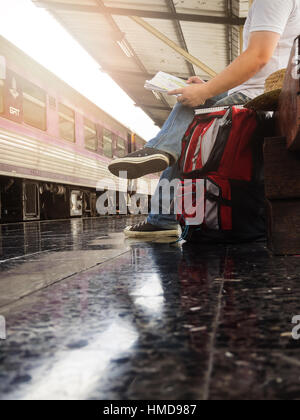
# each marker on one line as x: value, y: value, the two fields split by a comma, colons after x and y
x: 146, y: 230
x: 143, y: 162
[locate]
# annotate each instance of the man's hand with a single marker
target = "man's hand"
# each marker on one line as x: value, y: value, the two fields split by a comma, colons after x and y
x: 195, y: 80
x: 192, y: 96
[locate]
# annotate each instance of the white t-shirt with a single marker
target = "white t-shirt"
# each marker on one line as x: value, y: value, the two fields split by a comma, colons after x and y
x: 282, y: 17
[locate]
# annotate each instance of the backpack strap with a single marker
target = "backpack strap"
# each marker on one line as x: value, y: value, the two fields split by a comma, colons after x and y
x: 217, y: 152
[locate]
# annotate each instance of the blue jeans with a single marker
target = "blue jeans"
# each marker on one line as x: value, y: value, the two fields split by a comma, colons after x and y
x: 169, y: 140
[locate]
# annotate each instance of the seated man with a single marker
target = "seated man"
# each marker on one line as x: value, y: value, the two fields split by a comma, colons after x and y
x: 269, y: 33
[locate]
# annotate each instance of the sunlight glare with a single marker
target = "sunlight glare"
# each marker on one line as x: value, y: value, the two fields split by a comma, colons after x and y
x: 37, y: 33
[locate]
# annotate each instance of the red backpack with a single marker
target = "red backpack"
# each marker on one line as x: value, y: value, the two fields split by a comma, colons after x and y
x: 224, y: 152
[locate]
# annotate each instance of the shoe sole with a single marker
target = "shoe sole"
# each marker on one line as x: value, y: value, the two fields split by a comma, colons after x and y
x: 139, y: 167
x: 152, y: 235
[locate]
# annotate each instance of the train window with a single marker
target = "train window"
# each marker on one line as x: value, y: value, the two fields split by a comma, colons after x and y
x: 121, y: 147
x: 34, y: 106
x: 107, y: 143
x: 1, y: 96
x: 90, y: 135
x: 139, y: 144
x: 66, y: 123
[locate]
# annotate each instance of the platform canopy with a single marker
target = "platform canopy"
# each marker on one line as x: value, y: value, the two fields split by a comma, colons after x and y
x: 133, y: 40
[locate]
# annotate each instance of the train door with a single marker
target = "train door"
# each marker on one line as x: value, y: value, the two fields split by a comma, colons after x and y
x: 76, y: 203
x: 93, y: 204
x: 31, y: 200
x: 89, y: 204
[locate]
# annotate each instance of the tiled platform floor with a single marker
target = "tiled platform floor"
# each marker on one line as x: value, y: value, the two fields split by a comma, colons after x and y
x: 91, y: 316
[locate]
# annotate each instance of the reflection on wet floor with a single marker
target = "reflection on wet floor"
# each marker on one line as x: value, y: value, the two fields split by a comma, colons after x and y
x: 50, y: 252
x: 120, y: 319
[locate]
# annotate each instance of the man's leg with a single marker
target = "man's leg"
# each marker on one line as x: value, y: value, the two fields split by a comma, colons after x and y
x: 160, y: 215
x: 162, y: 151
x: 170, y: 137
x: 170, y: 221
x: 159, y: 153
x: 160, y: 223
x: 167, y: 224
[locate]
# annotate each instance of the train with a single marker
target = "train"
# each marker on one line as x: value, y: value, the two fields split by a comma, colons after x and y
x: 55, y: 146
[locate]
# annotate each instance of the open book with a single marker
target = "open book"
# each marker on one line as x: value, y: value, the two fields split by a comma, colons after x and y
x: 165, y: 83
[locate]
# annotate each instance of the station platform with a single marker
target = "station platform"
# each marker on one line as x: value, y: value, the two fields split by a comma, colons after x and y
x: 91, y: 315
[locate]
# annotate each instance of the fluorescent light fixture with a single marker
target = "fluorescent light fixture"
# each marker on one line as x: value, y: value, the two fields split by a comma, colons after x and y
x: 123, y: 44
x: 157, y: 96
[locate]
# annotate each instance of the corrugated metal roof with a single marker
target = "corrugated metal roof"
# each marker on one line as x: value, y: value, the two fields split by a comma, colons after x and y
x: 207, y: 29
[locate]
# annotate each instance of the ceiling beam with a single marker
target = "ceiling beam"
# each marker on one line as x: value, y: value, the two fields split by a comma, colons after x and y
x: 180, y: 34
x: 117, y: 30
x: 117, y: 71
x: 159, y: 35
x: 117, y: 11
x: 113, y: 73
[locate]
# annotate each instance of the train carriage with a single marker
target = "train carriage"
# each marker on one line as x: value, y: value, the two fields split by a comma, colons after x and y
x: 55, y: 145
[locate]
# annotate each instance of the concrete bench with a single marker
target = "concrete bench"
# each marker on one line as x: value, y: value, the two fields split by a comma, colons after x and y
x: 282, y: 166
